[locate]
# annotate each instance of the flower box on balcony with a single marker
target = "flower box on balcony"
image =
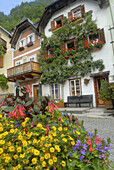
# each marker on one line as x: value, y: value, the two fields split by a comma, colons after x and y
x: 21, y: 48
x: 30, y: 44
x: 78, y: 20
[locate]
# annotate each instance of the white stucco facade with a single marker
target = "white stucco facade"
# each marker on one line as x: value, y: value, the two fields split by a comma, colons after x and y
x: 103, y: 20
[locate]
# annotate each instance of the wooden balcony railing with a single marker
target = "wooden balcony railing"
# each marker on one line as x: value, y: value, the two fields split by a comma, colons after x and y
x: 4, y: 43
x: 26, y: 70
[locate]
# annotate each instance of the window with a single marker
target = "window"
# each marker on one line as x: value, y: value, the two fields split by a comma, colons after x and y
x: 25, y: 59
x: 57, y: 22
x: 77, y: 13
x: 22, y: 42
x: 32, y: 58
x: 55, y: 91
x: 31, y: 37
x: 75, y: 88
x: 93, y: 37
x: 70, y: 45
x: 19, y: 62
x: 50, y: 52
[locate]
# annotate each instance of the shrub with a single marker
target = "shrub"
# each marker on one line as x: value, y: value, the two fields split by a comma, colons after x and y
x: 50, y: 140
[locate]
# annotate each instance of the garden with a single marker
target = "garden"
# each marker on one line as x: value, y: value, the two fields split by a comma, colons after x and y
x: 34, y: 134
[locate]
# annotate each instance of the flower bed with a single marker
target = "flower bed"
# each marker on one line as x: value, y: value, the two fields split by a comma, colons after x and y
x: 50, y: 140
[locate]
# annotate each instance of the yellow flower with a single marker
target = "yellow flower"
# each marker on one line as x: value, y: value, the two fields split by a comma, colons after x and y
x: 47, y: 156
x: 50, y: 161
x: 1, y: 150
x: 2, y: 142
x: 43, y: 138
x: 0, y: 116
x: 54, y: 159
x: 57, y: 147
x: 22, y: 155
x: 54, y: 128
x: 64, y: 139
x: 1, y: 129
x: 42, y: 158
x: 15, y: 130
x: 54, y: 134
x: 62, y: 135
x: 15, y: 156
x: 7, y: 159
x: 39, y: 125
x: 63, y: 163
x: 65, y: 128
x: 18, y: 166
x: 24, y: 143
x: 52, y: 149
x: 20, y: 137
x: 19, y: 149
x: 34, y: 141
x: 43, y: 163
x: 11, y: 149
x: 23, y: 124
x: 73, y: 143
x: 78, y: 133
x: 9, y: 143
x: 37, y: 167
x: 60, y: 128
x: 36, y: 152
x: 34, y: 160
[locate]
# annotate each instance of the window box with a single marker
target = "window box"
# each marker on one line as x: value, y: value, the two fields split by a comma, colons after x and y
x: 21, y: 48
x: 30, y: 44
x: 86, y: 81
x: 60, y: 105
x: 78, y: 20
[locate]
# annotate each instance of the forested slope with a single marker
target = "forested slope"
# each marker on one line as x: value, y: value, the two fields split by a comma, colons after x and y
x: 32, y: 10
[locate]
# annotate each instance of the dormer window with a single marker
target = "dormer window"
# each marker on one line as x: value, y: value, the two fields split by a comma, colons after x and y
x: 31, y: 37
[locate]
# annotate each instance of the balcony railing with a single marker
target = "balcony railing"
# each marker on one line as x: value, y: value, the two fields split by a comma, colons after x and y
x: 3, y: 42
x: 26, y: 70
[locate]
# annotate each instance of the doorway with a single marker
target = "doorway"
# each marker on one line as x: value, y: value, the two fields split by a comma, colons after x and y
x: 37, y: 91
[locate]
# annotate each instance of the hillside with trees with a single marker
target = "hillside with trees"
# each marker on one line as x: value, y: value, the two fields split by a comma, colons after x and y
x: 32, y: 10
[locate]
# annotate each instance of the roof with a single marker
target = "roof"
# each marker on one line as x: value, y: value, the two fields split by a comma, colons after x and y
x: 5, y: 31
x: 56, y: 5
x: 23, y: 24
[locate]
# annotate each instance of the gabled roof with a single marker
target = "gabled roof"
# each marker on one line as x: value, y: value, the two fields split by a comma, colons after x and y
x: 23, y: 24
x: 56, y: 5
x: 5, y: 31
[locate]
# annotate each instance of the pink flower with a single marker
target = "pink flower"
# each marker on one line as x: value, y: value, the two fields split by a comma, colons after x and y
x: 2, y: 103
x: 17, y: 112
x: 28, y: 89
x: 32, y: 124
x: 69, y: 118
x: 52, y: 107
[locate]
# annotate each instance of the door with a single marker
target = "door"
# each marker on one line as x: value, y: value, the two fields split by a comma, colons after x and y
x: 37, y: 91
x: 100, y: 103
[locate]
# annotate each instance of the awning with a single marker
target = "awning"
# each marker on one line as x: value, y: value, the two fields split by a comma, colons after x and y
x: 103, y: 74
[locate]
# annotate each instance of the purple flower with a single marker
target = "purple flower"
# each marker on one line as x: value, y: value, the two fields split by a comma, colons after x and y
x: 100, y: 156
x: 91, y: 134
x: 82, y: 151
x: 85, y: 128
x: 84, y: 146
x: 74, y: 148
x: 108, y: 148
x: 70, y: 154
x: 78, y: 141
x: 81, y: 157
x: 17, y: 125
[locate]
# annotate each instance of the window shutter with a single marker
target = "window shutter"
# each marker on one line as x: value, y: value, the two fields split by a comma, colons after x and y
x: 1, y: 61
x: 62, y: 17
x: 101, y: 35
x: 76, y: 45
x: 82, y: 10
x: 63, y: 48
x: 52, y: 25
x: 45, y: 53
x: 70, y: 16
x: 33, y: 37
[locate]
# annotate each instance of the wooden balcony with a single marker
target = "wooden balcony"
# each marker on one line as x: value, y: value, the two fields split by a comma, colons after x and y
x: 4, y: 43
x: 27, y: 70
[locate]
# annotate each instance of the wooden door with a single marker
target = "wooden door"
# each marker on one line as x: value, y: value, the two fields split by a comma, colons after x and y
x: 100, y: 103
x: 37, y: 91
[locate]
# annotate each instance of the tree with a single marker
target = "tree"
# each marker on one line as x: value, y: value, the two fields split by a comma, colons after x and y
x: 3, y: 82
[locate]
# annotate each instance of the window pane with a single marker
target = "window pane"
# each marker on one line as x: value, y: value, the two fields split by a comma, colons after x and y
x: 56, y: 85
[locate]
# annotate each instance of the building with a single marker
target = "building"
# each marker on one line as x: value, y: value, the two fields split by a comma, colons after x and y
x: 6, y: 59
x: 102, y: 12
x: 26, y: 70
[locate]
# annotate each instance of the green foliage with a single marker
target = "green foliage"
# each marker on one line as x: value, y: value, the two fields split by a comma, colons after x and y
x: 3, y: 82
x: 1, y: 50
x: 105, y: 91
x: 81, y: 61
x: 32, y: 10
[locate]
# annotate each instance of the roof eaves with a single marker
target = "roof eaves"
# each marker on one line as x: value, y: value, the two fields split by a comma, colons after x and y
x: 5, y: 31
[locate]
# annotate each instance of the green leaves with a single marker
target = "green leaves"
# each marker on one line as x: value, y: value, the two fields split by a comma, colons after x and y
x: 9, y: 109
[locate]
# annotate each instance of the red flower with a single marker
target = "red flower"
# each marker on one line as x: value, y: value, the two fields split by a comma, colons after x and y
x: 2, y: 103
x: 28, y: 89
x: 17, y: 112
x: 98, y: 140
x: 52, y: 107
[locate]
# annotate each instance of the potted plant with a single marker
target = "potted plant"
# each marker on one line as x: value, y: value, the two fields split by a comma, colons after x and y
x: 30, y: 44
x: 106, y: 94
x: 21, y: 48
x: 60, y: 103
x: 86, y: 81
